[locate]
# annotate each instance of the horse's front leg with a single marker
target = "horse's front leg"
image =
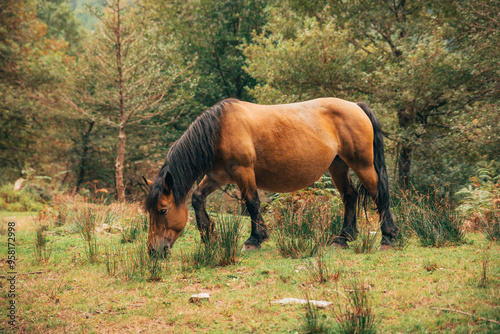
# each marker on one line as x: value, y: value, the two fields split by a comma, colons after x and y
x: 259, y: 229
x: 245, y: 179
x: 203, y: 221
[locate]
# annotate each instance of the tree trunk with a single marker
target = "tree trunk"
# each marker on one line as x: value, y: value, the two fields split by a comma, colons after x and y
x: 120, y: 157
x: 83, y: 157
x: 120, y: 160
x: 404, y: 163
x: 406, y: 119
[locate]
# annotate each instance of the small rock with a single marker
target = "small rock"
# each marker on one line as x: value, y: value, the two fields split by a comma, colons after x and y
x: 199, y: 298
x: 317, y: 303
x: 19, y: 184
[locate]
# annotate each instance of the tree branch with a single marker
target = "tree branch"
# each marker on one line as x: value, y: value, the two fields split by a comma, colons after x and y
x: 465, y: 313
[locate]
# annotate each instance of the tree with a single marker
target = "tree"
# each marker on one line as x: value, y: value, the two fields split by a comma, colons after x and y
x: 32, y: 61
x: 61, y: 23
x: 214, y: 31
x: 399, y: 56
x: 125, y: 77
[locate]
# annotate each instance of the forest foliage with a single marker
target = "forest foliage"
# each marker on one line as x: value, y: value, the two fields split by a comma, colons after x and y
x: 71, y: 105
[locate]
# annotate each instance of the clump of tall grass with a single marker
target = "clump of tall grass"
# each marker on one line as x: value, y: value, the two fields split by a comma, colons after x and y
x: 352, y: 315
x: 491, y: 227
x: 321, y: 272
x: 137, y: 264
x: 134, y: 262
x: 431, y: 219
x: 400, y: 211
x: 3, y: 227
x: 85, y: 219
x: 224, y: 248
x: 403, y: 239
x: 43, y: 246
x: 145, y: 222
x: 485, y: 264
x: 312, y: 321
x: 112, y: 260
x: 430, y: 265
x: 357, y: 315
x: 304, y: 226
x: 365, y: 242
x: 132, y: 229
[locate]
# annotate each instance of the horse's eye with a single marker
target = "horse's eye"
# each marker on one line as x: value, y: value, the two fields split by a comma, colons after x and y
x: 163, y: 211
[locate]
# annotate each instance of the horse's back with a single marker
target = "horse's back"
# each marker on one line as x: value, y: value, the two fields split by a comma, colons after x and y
x: 290, y: 146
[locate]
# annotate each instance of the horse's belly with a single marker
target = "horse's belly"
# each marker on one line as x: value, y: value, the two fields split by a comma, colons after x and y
x: 292, y: 170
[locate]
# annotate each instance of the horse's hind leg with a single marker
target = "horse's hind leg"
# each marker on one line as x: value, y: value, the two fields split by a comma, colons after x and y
x: 245, y: 179
x: 205, y: 188
x: 339, y: 171
x: 368, y: 177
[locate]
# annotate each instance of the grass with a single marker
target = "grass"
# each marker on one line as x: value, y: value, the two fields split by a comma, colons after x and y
x: 304, y: 227
x: 485, y: 264
x: 134, y: 263
x: 43, y: 245
x: 321, y: 271
x: 24, y: 220
x: 133, y: 229
x: 85, y: 219
x: 222, y: 250
x: 353, y: 314
x: 366, y: 241
x: 491, y: 227
x: 313, y: 322
x: 431, y: 219
x: 68, y: 294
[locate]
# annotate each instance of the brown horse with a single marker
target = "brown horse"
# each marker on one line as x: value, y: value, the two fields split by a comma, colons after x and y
x: 279, y: 148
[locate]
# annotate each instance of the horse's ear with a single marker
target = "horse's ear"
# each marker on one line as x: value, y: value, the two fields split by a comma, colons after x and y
x: 148, y: 183
x: 169, y: 181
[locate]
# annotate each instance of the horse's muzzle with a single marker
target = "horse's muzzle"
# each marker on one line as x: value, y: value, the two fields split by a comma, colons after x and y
x: 161, y: 251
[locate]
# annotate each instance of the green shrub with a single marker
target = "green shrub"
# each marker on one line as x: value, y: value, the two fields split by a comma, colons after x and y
x: 480, y: 203
x: 22, y: 200
x: 491, y: 228
x: 482, y: 195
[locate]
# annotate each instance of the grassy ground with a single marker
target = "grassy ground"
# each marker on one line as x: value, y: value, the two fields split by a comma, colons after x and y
x: 24, y: 220
x: 68, y: 294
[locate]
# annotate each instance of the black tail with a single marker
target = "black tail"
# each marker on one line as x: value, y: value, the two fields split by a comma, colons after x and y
x: 383, y: 199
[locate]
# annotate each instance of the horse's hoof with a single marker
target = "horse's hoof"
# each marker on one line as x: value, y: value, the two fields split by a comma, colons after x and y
x: 249, y: 247
x: 384, y: 247
x: 338, y: 245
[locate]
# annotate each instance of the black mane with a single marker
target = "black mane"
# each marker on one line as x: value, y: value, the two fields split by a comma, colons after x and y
x: 190, y: 156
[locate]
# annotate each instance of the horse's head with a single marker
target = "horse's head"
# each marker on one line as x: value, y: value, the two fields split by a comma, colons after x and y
x: 167, y: 219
